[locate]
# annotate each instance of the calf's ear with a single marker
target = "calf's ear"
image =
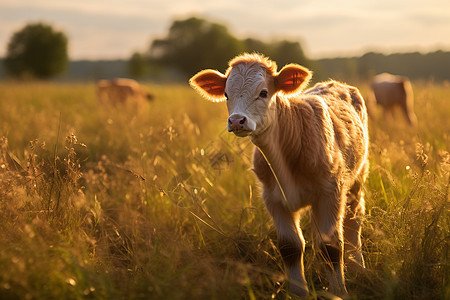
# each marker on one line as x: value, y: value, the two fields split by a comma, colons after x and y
x: 210, y: 84
x: 292, y: 78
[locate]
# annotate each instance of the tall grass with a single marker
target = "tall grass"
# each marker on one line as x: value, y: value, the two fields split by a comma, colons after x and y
x: 106, y: 203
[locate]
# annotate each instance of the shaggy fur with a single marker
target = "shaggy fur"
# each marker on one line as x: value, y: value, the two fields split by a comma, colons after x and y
x: 317, y: 145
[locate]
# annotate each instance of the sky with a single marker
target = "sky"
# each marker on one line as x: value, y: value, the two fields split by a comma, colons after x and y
x: 114, y: 29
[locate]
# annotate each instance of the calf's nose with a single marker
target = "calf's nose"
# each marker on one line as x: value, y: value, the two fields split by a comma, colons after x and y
x: 236, y: 123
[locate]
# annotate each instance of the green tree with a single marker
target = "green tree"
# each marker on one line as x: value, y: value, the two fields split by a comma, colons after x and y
x: 194, y: 44
x: 368, y: 64
x: 254, y: 45
x: 36, y: 51
x: 285, y: 52
x: 138, y: 65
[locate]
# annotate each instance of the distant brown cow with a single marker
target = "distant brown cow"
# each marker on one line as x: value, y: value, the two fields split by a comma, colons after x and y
x: 393, y: 91
x: 311, y: 151
x: 122, y: 91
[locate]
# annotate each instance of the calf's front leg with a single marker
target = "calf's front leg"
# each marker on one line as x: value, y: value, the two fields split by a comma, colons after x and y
x: 291, y: 244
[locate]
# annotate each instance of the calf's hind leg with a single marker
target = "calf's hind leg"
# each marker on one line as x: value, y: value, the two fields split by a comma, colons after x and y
x: 352, y: 225
x: 327, y: 228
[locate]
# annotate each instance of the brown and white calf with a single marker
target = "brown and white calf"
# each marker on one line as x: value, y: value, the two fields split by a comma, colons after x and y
x: 392, y: 91
x: 316, y: 142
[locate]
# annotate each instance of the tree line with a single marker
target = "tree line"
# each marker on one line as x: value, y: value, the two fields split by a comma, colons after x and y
x: 39, y: 51
x: 415, y: 65
x: 194, y: 44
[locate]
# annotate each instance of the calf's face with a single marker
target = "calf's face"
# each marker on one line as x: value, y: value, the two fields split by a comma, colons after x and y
x: 249, y: 88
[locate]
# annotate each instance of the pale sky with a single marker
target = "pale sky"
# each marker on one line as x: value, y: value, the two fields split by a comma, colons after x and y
x: 110, y: 29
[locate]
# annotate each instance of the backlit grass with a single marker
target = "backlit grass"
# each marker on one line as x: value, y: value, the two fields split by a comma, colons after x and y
x: 106, y: 203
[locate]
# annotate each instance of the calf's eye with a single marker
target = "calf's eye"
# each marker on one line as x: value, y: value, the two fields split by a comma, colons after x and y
x: 226, y: 96
x: 263, y: 94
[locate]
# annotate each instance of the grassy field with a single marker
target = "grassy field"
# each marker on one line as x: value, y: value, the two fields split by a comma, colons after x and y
x: 105, y: 203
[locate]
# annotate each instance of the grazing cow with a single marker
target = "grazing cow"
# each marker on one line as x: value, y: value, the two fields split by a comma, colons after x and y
x: 392, y: 91
x: 121, y: 91
x: 311, y: 151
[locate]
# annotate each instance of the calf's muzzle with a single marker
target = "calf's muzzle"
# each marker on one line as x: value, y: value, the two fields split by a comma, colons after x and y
x: 237, y: 123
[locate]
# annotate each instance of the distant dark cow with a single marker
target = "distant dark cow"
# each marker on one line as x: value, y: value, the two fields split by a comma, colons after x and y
x: 392, y: 91
x: 311, y: 151
x: 122, y: 91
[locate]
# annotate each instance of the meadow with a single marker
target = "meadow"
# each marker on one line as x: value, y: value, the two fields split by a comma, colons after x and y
x: 109, y: 203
